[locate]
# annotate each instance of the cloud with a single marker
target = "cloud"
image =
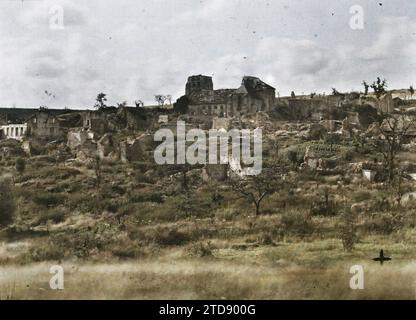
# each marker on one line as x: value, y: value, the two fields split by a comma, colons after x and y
x: 134, y: 50
x: 305, y: 66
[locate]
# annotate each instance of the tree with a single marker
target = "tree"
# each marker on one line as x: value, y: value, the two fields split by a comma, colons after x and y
x: 393, y: 131
x: 100, y: 100
x: 7, y: 202
x: 293, y: 95
x: 139, y: 103
x: 412, y: 91
x: 122, y: 104
x: 160, y: 99
x: 335, y: 92
x: 366, y: 87
x: 256, y: 188
x: 168, y: 98
x: 20, y: 165
x: 379, y: 86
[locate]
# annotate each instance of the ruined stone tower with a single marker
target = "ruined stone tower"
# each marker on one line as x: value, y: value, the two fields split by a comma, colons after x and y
x: 199, y: 82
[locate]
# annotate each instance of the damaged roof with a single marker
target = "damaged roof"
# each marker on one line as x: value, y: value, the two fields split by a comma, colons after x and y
x: 252, y: 85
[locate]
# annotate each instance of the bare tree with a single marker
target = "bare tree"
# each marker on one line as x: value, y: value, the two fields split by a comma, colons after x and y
x: 256, y: 188
x: 366, y: 87
x: 122, y: 104
x: 139, y: 103
x: 394, y: 128
x: 160, y: 99
x: 168, y: 98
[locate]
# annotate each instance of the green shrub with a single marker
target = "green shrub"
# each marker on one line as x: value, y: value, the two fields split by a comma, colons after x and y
x: 168, y: 237
x: 146, y: 197
x: 49, y: 199
x: 298, y: 222
x: 201, y: 249
x: 20, y: 165
x: 7, y: 202
x: 54, y: 215
x: 44, y: 253
x: 348, y: 232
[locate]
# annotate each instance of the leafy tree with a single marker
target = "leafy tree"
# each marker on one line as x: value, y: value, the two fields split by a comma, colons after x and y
x: 293, y: 95
x: 379, y: 86
x: 100, y: 100
x: 412, y: 91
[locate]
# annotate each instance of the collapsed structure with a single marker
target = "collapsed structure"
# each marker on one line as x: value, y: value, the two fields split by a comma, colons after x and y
x: 125, y: 133
x: 252, y: 96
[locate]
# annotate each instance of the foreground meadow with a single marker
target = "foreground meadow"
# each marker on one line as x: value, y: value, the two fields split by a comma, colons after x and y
x: 317, y: 270
x: 140, y: 231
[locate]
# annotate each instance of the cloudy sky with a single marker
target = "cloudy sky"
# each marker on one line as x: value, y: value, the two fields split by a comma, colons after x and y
x: 133, y: 49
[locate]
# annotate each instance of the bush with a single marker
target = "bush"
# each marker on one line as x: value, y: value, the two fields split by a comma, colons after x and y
x: 169, y: 237
x: 298, y: 222
x: 146, y: 197
x: 44, y: 253
x: 7, y: 202
x: 49, y: 199
x: 384, y: 223
x: 348, y: 233
x: 201, y: 250
x: 20, y: 165
x: 54, y: 215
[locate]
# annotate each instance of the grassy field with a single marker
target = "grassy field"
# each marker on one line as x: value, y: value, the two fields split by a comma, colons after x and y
x: 318, y: 270
x: 137, y: 233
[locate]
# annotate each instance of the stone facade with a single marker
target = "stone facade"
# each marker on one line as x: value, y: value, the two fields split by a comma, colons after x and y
x: 199, y: 82
x: 45, y: 125
x: 95, y: 121
x: 252, y: 96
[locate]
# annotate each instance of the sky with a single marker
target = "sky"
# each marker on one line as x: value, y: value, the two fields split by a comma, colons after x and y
x: 62, y: 53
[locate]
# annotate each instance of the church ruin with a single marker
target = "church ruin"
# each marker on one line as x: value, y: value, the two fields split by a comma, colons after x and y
x: 252, y: 96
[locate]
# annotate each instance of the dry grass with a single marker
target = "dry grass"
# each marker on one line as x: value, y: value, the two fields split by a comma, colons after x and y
x: 318, y: 270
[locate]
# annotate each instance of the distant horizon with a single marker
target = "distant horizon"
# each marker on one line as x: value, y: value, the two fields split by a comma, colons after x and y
x: 298, y: 94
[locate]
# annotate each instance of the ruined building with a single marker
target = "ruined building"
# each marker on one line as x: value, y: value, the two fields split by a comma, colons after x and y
x: 199, y: 82
x: 252, y: 96
x: 45, y: 125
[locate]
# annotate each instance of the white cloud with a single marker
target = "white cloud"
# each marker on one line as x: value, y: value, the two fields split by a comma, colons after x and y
x: 134, y: 50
